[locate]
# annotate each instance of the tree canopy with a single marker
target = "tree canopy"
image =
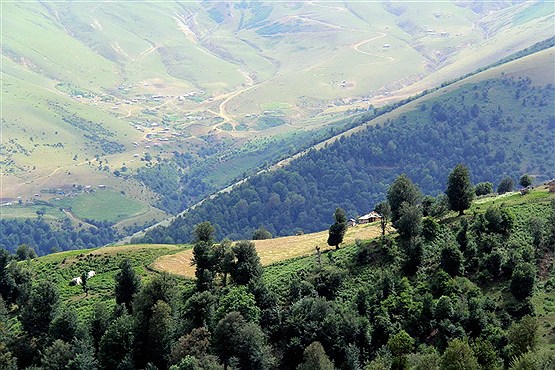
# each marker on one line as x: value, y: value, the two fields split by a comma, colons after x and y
x: 460, y: 191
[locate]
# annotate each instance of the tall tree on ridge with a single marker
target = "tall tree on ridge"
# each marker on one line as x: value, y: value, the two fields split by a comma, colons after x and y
x: 127, y: 284
x: 203, y: 256
x: 460, y: 191
x: 402, y: 190
x: 338, y: 229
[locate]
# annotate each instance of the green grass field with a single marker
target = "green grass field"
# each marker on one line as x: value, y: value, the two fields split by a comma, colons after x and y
x: 60, y: 268
x: 103, y: 205
x: 30, y: 211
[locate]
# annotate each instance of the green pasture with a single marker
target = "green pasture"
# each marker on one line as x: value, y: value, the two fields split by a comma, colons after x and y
x: 30, y: 211
x: 61, y: 268
x: 103, y: 205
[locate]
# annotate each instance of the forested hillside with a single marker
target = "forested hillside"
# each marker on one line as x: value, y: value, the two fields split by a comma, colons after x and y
x: 499, y: 127
x: 44, y: 238
x: 467, y: 292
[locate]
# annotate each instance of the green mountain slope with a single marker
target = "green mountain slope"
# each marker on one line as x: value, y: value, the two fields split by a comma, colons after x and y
x: 476, y: 289
x: 500, y: 123
x: 90, y: 88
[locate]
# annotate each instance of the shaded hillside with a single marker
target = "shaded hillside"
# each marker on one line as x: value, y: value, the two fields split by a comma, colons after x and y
x: 499, y: 127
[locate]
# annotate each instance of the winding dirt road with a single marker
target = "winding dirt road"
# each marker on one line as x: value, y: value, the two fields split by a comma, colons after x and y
x: 358, y: 45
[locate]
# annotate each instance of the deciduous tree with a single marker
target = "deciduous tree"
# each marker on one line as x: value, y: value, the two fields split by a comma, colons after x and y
x: 523, y: 336
x: 522, y: 281
x: 459, y: 189
x: 526, y: 180
x: 402, y: 190
x: 338, y: 229
x: 506, y: 185
x: 483, y: 188
x: 384, y: 210
x: 261, y: 233
x: 458, y: 356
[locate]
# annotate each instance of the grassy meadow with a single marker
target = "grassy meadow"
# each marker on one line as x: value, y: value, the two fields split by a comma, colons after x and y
x: 103, y: 205
x: 60, y: 268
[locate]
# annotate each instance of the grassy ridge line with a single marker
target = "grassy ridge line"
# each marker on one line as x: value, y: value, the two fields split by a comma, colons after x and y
x: 271, y: 251
x: 362, y: 123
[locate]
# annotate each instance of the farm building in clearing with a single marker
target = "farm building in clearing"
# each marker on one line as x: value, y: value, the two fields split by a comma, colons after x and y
x: 370, y: 217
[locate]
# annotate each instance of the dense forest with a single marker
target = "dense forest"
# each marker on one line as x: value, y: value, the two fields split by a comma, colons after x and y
x: 44, y: 238
x: 184, y: 179
x: 499, y: 127
x: 443, y: 292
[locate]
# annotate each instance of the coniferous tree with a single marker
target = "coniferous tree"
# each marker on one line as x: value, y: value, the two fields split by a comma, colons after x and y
x: 84, y: 280
x: 315, y: 358
x: 116, y: 346
x: 127, y: 284
x: 459, y: 189
x: 160, y: 288
x: 83, y: 355
x: 65, y: 324
x: 57, y: 356
x: 452, y: 260
x: 98, y: 323
x: 7, y: 283
x: 160, y: 335
x: 203, y: 256
x: 409, y: 223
